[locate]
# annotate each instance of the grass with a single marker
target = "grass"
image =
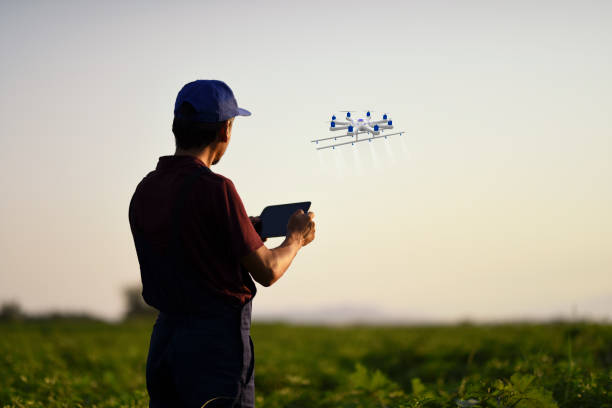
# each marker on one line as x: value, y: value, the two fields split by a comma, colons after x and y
x: 68, y: 363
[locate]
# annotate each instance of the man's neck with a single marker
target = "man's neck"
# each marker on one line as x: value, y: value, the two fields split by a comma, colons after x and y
x: 206, y: 156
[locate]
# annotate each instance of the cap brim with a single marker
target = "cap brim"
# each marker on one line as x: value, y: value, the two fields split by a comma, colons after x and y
x: 243, y: 112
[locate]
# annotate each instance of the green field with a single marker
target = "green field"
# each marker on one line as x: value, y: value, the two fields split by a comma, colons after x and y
x: 92, y: 364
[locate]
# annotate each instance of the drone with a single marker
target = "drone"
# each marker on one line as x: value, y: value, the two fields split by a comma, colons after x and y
x: 373, y: 129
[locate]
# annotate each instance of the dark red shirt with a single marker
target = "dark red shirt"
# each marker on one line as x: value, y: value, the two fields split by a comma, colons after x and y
x: 190, y: 230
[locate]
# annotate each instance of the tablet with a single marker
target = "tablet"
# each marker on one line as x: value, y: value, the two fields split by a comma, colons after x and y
x: 274, y: 218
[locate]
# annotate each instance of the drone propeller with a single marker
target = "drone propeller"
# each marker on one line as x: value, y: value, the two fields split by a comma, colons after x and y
x: 348, y: 112
x: 385, y: 114
x: 369, y: 114
x: 372, y: 111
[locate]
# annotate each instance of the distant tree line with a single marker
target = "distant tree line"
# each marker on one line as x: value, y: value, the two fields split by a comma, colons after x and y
x: 135, y: 307
x: 135, y: 304
x: 11, y: 311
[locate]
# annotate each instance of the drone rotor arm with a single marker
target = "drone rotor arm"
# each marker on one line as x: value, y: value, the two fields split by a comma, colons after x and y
x: 371, y: 130
x: 338, y: 128
x: 378, y: 122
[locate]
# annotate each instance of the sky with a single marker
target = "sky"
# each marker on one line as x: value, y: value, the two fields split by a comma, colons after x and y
x: 494, y: 204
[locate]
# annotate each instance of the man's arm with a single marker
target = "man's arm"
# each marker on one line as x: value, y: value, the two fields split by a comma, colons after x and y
x: 268, y: 265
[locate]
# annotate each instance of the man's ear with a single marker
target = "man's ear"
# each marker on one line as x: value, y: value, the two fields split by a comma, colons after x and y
x: 223, y: 131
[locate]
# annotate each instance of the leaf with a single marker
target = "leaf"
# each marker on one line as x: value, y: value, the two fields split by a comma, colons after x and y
x: 521, y: 382
x: 417, y: 386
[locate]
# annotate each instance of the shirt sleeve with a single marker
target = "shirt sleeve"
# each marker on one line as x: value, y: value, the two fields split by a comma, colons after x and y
x: 243, y: 236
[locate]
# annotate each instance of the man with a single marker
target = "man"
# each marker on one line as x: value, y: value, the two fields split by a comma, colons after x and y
x: 196, y: 247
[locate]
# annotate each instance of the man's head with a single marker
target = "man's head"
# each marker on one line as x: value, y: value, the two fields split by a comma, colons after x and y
x: 204, y: 112
x: 191, y: 135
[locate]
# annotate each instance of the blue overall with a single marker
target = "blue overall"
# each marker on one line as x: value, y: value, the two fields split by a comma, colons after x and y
x: 195, y: 361
x: 204, y: 359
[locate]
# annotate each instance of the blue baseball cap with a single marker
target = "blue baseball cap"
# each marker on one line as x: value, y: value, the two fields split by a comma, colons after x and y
x: 212, y: 100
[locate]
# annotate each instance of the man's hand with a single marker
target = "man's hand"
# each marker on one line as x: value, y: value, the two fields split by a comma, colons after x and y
x: 301, y: 227
x: 268, y: 265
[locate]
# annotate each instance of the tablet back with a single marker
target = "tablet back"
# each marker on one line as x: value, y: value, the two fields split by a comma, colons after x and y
x: 274, y: 218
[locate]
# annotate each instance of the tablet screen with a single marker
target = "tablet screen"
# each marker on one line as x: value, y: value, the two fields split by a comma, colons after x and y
x: 274, y: 218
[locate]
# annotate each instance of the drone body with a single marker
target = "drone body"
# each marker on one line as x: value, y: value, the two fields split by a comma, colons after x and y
x: 355, y: 126
x: 361, y: 125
